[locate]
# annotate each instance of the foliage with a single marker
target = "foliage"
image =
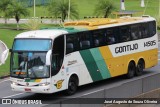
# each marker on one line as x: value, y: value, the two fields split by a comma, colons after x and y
x: 33, y: 24
x: 60, y: 8
x: 4, y: 5
x: 104, y: 7
x: 158, y: 21
x: 17, y: 10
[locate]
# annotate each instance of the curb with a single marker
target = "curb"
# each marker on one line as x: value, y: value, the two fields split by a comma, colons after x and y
x: 6, y: 76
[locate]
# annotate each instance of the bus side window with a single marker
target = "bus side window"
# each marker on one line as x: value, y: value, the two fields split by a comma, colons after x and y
x: 110, y: 37
x: 135, y: 32
x: 85, y: 40
x: 152, y: 28
x: 98, y: 38
x: 72, y: 43
x: 144, y: 29
x: 125, y: 34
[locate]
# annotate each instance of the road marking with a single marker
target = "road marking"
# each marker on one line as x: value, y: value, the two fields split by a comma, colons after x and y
x: 4, y: 80
x: 93, y: 92
x: 13, y: 95
x: 158, y: 59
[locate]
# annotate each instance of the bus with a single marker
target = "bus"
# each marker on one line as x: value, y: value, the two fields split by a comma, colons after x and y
x: 82, y: 52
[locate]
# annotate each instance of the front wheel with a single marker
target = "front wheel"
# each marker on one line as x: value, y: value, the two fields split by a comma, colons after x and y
x: 72, y: 86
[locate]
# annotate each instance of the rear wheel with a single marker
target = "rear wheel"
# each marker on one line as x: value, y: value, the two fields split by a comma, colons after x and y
x: 140, y: 67
x: 131, y: 70
x: 72, y: 85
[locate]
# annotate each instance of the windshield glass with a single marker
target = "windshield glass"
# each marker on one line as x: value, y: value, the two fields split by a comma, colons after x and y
x: 31, y: 45
x: 29, y: 65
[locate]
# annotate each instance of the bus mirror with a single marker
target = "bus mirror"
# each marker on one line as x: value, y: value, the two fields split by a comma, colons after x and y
x: 48, y: 57
x: 10, y: 50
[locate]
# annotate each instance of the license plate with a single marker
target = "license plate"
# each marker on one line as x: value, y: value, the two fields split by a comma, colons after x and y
x: 27, y: 89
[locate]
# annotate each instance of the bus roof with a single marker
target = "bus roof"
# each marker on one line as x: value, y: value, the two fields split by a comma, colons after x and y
x: 83, y: 25
x: 107, y: 22
x: 41, y: 34
x: 48, y: 33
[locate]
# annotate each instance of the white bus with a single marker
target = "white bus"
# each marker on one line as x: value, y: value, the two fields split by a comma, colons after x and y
x: 52, y: 60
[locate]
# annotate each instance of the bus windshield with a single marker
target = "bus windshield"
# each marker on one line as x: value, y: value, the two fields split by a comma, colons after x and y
x: 28, y: 59
x: 29, y: 65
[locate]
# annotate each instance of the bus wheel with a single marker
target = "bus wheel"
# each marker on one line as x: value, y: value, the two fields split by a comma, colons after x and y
x: 131, y: 70
x: 140, y: 67
x: 72, y: 85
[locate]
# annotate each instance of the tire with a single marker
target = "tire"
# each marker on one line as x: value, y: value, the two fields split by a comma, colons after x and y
x: 131, y: 70
x: 139, y: 68
x: 72, y: 85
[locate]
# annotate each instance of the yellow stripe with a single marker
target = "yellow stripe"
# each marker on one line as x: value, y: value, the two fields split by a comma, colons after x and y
x: 106, y: 54
x: 119, y: 65
x: 38, y: 80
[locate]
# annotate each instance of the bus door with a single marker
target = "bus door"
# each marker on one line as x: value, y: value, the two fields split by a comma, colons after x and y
x: 57, y: 71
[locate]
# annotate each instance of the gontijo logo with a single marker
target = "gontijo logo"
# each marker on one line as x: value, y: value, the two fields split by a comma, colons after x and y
x: 59, y: 84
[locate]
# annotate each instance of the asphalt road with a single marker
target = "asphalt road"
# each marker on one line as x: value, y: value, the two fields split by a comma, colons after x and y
x: 6, y: 92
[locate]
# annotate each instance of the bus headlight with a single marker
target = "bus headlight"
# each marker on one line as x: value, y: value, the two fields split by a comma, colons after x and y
x: 14, y: 83
x: 44, y: 84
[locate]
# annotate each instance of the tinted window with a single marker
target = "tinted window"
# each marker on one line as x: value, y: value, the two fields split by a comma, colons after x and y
x: 110, y: 36
x: 152, y: 28
x: 144, y: 30
x: 98, y: 38
x: 135, y: 32
x: 72, y: 43
x: 124, y: 34
x: 85, y: 40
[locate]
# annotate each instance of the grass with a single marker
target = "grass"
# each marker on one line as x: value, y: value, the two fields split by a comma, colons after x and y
x: 86, y: 7
x: 7, y: 36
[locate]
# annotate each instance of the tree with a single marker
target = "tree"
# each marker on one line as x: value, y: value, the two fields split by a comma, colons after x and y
x: 17, y: 10
x: 104, y: 7
x: 59, y: 8
x: 4, y: 5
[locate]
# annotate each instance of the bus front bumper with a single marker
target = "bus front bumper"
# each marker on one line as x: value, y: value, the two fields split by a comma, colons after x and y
x: 32, y: 89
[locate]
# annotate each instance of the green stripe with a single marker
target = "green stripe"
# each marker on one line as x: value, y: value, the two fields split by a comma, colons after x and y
x: 91, y: 65
x: 100, y: 63
x: 29, y: 80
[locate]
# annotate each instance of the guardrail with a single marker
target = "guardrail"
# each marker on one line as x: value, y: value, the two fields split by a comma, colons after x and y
x: 129, y: 89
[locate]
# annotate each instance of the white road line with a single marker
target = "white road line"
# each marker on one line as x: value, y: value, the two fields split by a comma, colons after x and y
x: 93, y: 92
x: 4, y: 80
x: 13, y: 95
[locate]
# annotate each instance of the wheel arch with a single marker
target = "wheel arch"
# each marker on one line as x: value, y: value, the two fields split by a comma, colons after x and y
x: 74, y: 74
